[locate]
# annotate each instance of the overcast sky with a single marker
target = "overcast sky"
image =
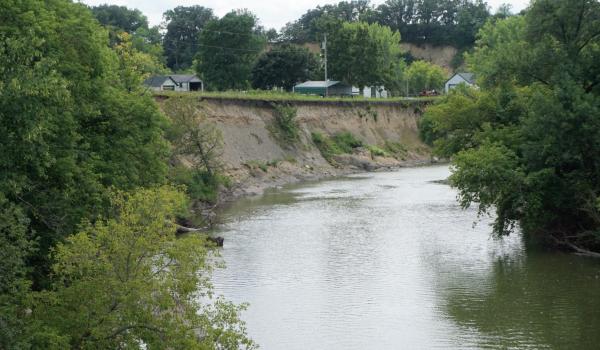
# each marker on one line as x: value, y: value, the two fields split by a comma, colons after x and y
x: 272, y: 13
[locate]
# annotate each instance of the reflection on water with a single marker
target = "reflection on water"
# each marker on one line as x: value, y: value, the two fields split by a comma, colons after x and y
x: 388, y: 261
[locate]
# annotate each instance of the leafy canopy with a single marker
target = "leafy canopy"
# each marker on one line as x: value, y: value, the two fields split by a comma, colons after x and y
x: 228, y: 49
x: 128, y: 280
x: 285, y: 66
x: 527, y: 143
x: 364, y: 54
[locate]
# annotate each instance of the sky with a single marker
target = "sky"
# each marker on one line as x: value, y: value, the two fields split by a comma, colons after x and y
x: 272, y: 13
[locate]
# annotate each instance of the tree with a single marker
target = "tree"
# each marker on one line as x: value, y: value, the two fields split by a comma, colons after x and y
x: 228, y: 48
x: 135, y: 65
x: 193, y: 136
x: 197, y: 150
x: 129, y: 20
x: 531, y: 153
x: 63, y: 112
x: 424, y: 76
x: 364, y: 54
x: 17, y: 247
x: 283, y: 67
x: 184, y: 25
x: 309, y: 28
x: 129, y: 280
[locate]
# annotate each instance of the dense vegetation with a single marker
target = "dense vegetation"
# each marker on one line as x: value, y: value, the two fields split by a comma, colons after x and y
x: 365, y: 55
x: 526, y: 144
x: 435, y: 22
x: 284, y: 66
x: 229, y: 48
x: 89, y: 254
x: 231, y: 53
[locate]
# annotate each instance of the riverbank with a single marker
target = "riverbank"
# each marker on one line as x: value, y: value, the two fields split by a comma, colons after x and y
x: 329, y: 138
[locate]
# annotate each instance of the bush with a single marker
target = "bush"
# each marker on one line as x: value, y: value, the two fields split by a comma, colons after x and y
x: 341, y: 143
x: 200, y: 185
x: 346, y: 141
x: 377, y: 152
x: 285, y: 120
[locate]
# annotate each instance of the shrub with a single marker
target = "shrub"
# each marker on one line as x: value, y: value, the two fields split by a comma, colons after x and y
x: 200, y: 185
x: 340, y: 143
x: 377, y: 152
x: 285, y: 121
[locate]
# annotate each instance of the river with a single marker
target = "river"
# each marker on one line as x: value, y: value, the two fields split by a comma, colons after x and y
x: 390, y: 261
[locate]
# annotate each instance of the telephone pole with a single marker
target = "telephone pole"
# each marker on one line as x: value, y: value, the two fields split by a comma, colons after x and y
x: 326, y: 79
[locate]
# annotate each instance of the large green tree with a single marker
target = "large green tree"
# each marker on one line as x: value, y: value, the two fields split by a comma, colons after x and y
x: 284, y: 66
x: 184, y: 25
x: 129, y: 280
x: 229, y: 47
x: 530, y: 150
x: 364, y: 54
x: 122, y: 17
x: 422, y: 75
x: 71, y: 126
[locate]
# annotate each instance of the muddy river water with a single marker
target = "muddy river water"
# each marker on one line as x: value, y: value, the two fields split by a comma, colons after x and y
x: 390, y: 261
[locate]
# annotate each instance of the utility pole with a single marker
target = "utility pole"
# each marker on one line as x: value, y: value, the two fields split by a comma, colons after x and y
x: 326, y: 79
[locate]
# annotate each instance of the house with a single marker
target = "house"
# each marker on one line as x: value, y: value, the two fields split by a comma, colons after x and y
x: 323, y: 88
x: 161, y: 83
x: 188, y: 82
x: 371, y: 92
x: 175, y: 82
x: 460, y: 78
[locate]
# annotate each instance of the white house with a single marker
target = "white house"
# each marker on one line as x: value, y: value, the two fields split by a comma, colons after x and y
x: 175, y: 82
x: 187, y: 82
x: 161, y: 83
x: 460, y: 78
x: 371, y: 92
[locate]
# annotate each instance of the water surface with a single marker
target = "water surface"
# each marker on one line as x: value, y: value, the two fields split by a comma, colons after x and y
x: 390, y: 261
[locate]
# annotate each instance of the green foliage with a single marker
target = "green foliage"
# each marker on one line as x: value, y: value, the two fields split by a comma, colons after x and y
x: 284, y: 66
x: 376, y: 151
x: 340, y: 143
x: 287, y: 97
x: 311, y: 25
x: 420, y: 22
x: 526, y: 144
x: 63, y: 112
x: 227, y: 51
x: 287, y: 127
x: 17, y: 247
x: 184, y: 25
x: 193, y: 137
x: 424, y: 76
x: 346, y: 141
x: 128, y: 279
x: 364, y: 54
x: 200, y: 185
x: 122, y: 17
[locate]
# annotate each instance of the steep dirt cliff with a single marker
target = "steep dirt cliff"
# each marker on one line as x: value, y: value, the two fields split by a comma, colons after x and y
x: 256, y: 158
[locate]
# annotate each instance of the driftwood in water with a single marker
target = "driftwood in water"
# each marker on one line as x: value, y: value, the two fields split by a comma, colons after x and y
x: 183, y: 229
x: 218, y: 241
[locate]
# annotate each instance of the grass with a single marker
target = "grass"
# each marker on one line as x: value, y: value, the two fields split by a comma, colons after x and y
x: 278, y: 96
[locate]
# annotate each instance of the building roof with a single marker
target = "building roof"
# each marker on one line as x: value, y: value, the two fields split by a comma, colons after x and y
x: 468, y: 77
x: 185, y: 78
x: 318, y: 84
x: 158, y: 80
